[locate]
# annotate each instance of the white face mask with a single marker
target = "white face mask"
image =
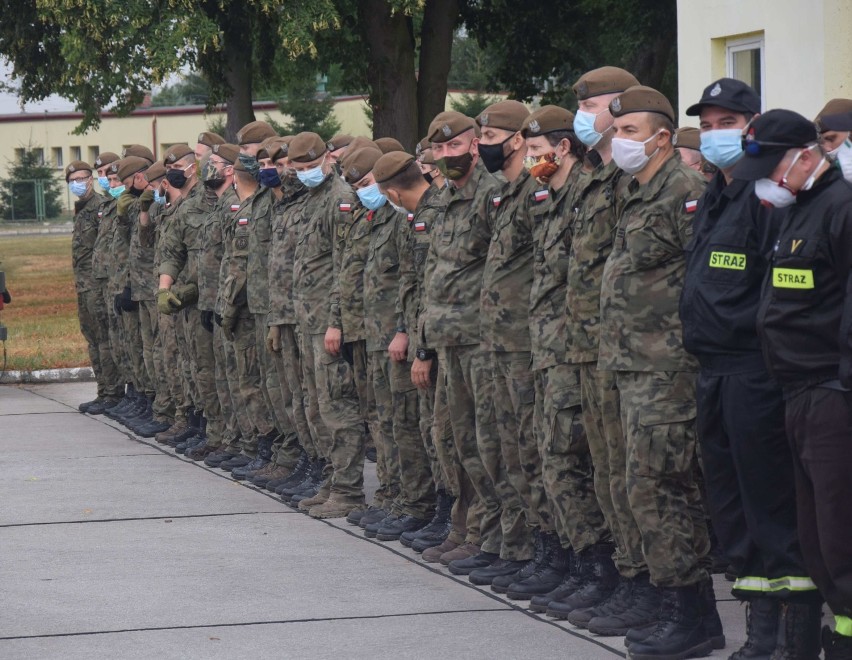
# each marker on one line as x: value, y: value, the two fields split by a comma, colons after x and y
x: 843, y: 157
x: 630, y: 155
x: 779, y: 195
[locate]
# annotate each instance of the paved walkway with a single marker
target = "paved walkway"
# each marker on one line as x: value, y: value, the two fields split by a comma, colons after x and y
x: 114, y: 548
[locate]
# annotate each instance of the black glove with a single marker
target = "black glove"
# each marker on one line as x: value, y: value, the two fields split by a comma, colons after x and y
x: 116, y: 304
x: 218, y: 318
x: 127, y: 302
x: 7, y: 297
x: 207, y: 320
x: 347, y: 350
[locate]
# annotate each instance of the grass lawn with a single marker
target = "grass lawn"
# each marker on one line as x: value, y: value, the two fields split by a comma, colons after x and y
x: 42, y: 319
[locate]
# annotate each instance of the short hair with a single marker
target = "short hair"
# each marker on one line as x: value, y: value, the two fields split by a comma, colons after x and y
x: 407, y: 179
x: 661, y: 122
x: 244, y: 176
x: 576, y: 148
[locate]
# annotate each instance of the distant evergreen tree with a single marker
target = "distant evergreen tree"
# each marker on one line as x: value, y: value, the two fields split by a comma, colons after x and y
x: 18, y: 190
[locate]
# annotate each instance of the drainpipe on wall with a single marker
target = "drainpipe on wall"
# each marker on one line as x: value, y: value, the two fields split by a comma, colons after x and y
x: 154, y: 137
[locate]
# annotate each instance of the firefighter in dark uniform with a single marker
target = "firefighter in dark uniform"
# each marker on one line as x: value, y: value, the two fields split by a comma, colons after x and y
x: 748, y: 465
x: 804, y: 322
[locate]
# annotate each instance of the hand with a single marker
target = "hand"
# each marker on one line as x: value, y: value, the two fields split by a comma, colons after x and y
x: 116, y: 304
x: 333, y: 339
x: 207, y: 320
x: 124, y: 202
x: 146, y: 199
x: 398, y: 349
x: 273, y: 339
x: 167, y: 302
x: 420, y: 371
x: 187, y: 293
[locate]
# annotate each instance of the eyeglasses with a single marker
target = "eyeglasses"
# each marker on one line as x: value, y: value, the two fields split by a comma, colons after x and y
x: 80, y: 180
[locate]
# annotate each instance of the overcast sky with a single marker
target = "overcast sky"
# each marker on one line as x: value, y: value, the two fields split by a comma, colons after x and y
x: 9, y: 103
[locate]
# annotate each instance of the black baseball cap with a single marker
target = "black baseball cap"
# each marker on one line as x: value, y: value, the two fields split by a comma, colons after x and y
x: 727, y: 93
x: 768, y: 138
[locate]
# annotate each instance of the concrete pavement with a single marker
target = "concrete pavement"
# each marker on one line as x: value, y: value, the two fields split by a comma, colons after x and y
x: 113, y: 547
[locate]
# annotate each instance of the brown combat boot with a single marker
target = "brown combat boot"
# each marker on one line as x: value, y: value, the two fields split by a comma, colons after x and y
x: 171, y: 433
x: 322, y: 495
x: 461, y: 552
x: 335, y: 507
x: 433, y: 555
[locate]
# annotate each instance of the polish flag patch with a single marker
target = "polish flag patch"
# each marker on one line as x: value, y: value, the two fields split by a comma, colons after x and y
x: 100, y: 214
x: 419, y: 226
x: 345, y: 207
x: 496, y: 201
x: 410, y: 217
x: 691, y: 206
x: 369, y: 217
x: 242, y: 221
x: 235, y: 207
x: 541, y: 195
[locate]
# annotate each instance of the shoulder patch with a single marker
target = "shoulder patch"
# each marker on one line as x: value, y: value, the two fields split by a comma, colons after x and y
x: 235, y: 207
x: 410, y: 217
x: 541, y: 195
x: 242, y: 222
x: 420, y: 225
x: 345, y: 207
x: 690, y: 206
x: 496, y: 201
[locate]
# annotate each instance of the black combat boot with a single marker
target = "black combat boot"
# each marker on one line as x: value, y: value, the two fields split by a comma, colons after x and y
x: 97, y: 401
x: 798, y: 631
x: 573, y: 581
x: 762, y: 616
x: 541, y: 550
x: 640, y: 612
x: 710, y: 614
x: 438, y: 527
x: 264, y: 456
x: 199, y: 437
x: 500, y: 568
x: 547, y: 576
x: 617, y: 602
x: 392, y: 531
x: 100, y: 408
x: 680, y: 632
x: 601, y: 579
x: 124, y: 403
x: 837, y: 646
x: 297, y: 475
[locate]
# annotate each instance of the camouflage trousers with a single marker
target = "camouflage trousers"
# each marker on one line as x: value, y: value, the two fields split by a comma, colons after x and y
x: 658, y: 416
x: 512, y: 461
x: 288, y: 365
x: 285, y: 449
x: 200, y: 342
x: 379, y: 427
x: 321, y: 433
x: 467, y: 510
x: 173, y: 363
x: 467, y: 378
x: 339, y: 408
x: 115, y: 332
x: 571, y: 507
x: 94, y: 325
x: 135, y: 351
x: 248, y: 370
x: 602, y: 422
x: 235, y: 417
x: 387, y: 451
x: 192, y: 399
x: 149, y: 324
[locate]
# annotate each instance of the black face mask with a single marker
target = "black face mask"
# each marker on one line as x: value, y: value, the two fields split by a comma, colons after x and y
x: 135, y: 192
x: 176, y: 178
x: 492, y: 155
x: 429, y: 177
x: 455, y: 167
x: 251, y: 165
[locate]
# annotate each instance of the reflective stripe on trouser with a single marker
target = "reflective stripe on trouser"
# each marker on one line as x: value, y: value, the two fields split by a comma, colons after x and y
x: 819, y: 426
x: 567, y: 472
x: 508, y: 460
x: 173, y: 365
x: 341, y: 412
x: 245, y: 347
x: 843, y: 625
x: 417, y: 490
x: 201, y: 347
x: 658, y: 417
x: 374, y: 392
x: 748, y: 474
x: 602, y: 423
x: 289, y: 367
x: 467, y: 378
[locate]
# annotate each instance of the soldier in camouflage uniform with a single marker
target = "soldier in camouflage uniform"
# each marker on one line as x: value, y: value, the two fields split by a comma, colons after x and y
x: 78, y: 175
x: 640, y: 340
x: 449, y: 320
x: 329, y: 376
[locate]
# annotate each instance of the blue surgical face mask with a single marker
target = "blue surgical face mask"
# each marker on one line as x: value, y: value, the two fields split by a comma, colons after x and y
x: 312, y: 177
x: 116, y: 192
x: 159, y: 198
x: 78, y: 188
x: 584, y: 127
x: 722, y: 147
x: 371, y: 198
x: 270, y: 178
x: 103, y: 182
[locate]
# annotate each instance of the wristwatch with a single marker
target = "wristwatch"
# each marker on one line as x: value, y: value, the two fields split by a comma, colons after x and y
x: 425, y: 354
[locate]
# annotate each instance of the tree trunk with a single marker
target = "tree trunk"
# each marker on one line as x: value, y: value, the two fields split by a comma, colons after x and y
x: 436, y: 44
x: 390, y: 73
x: 238, y: 74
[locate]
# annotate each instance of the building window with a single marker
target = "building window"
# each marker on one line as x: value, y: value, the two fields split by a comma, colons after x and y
x: 745, y: 62
x: 39, y: 155
x: 57, y: 157
x: 19, y: 155
x: 76, y: 154
x: 93, y: 154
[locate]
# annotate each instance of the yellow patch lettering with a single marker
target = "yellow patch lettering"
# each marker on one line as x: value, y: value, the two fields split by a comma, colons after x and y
x: 792, y: 278
x: 727, y: 260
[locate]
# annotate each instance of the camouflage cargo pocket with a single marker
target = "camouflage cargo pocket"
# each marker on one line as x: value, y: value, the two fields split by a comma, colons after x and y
x: 663, y: 440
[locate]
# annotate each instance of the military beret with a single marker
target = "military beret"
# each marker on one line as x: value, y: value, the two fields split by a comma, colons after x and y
x: 391, y: 164
x: 306, y: 147
x: 208, y: 138
x: 239, y: 167
x: 426, y: 157
x: 507, y: 115
x: 138, y: 150
x: 422, y: 146
x: 77, y: 166
x: 641, y: 99
x: 228, y: 152
x: 359, y: 143
x: 448, y: 124
x: 835, y: 116
x: 388, y: 144
x: 255, y: 132
x: 175, y: 152
x: 359, y: 163
x: 270, y: 148
x: 728, y: 93
x: 156, y: 171
x: 339, y: 141
x: 547, y: 119
x: 687, y: 137
x: 605, y: 80
x: 128, y: 166
x: 105, y: 158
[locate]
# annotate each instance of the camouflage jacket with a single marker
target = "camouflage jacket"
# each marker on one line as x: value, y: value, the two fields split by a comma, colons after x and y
x: 643, y: 276
x: 352, y: 242
x: 285, y: 227
x: 159, y: 219
x: 122, y: 229
x: 389, y: 246
x: 232, y: 274
x: 102, y: 250
x: 326, y: 207
x: 257, y: 259
x: 144, y: 281
x: 504, y: 301
x: 83, y: 240
x: 454, y: 265
x: 552, y: 212
x: 181, y: 243
x: 213, y: 250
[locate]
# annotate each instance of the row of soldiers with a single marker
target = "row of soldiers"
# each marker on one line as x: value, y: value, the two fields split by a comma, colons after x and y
x: 510, y: 317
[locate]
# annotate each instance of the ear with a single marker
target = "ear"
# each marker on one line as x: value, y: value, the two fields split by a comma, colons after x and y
x: 563, y: 148
x: 518, y: 141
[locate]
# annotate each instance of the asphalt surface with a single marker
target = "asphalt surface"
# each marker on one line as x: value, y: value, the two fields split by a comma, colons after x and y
x: 113, y: 547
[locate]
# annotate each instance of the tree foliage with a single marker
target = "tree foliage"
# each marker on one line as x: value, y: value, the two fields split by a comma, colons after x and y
x: 18, y: 189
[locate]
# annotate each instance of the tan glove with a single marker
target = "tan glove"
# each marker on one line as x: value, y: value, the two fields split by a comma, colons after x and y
x: 273, y: 339
x: 188, y: 293
x: 167, y: 302
x: 146, y: 199
x: 124, y: 202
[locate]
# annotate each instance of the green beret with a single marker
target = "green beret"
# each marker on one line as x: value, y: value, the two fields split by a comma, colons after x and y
x: 605, y: 80
x: 128, y: 166
x: 77, y: 166
x: 156, y: 171
x: 228, y: 152
x: 359, y: 163
x: 687, y: 137
x: 255, y: 132
x: 388, y: 144
x: 446, y: 125
x: 175, y: 152
x: 506, y: 115
x: 391, y: 164
x: 835, y: 116
x: 208, y: 139
x: 306, y: 147
x: 105, y: 158
x: 138, y: 150
x: 641, y: 99
x: 547, y: 119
